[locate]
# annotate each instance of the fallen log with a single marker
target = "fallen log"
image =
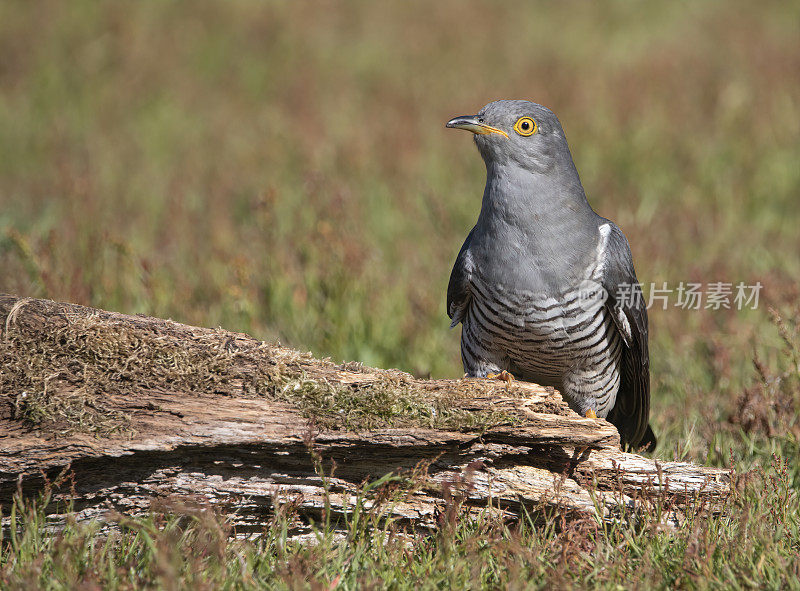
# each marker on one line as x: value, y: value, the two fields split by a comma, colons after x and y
x: 140, y: 409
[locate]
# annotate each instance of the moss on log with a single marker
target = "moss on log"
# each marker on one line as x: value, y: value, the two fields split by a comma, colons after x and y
x: 139, y: 409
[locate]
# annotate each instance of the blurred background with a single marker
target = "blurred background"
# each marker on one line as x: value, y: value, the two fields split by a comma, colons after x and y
x: 283, y: 169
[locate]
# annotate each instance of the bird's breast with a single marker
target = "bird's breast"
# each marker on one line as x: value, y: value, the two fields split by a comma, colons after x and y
x: 544, y: 333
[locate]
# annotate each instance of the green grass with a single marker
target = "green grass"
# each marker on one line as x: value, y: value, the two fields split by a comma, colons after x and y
x: 753, y: 545
x: 282, y: 169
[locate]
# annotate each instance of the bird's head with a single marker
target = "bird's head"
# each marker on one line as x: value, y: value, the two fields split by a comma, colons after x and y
x: 517, y: 132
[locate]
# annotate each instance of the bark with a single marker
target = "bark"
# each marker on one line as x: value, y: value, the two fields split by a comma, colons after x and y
x: 139, y: 410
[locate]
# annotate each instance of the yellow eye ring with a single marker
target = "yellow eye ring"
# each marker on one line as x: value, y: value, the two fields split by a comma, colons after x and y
x: 525, y: 126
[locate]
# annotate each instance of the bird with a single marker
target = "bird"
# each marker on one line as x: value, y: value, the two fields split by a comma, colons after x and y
x: 543, y: 286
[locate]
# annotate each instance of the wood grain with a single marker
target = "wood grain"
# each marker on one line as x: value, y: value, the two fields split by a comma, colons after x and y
x: 247, y: 452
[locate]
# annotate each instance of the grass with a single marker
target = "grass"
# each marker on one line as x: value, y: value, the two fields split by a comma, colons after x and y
x: 282, y: 170
x: 754, y: 545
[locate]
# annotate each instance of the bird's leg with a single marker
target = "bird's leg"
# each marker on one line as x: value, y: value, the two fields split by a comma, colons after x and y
x: 590, y: 414
x: 503, y: 375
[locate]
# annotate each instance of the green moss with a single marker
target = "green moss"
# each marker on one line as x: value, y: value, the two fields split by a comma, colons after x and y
x: 64, y: 377
x: 384, y: 403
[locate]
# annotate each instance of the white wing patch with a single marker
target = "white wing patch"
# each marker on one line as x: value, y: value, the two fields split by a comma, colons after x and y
x: 620, y: 319
x: 623, y: 325
x: 600, y: 258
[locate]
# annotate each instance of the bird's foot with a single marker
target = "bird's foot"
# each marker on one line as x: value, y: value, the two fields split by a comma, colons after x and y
x: 590, y: 414
x: 503, y: 376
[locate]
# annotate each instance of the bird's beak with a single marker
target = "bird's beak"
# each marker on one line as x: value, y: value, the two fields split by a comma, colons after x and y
x: 472, y: 124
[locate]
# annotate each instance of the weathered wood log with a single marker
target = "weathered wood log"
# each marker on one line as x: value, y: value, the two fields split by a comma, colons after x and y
x: 142, y: 408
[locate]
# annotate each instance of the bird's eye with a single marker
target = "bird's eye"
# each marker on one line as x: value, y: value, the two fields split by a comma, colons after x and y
x: 525, y: 126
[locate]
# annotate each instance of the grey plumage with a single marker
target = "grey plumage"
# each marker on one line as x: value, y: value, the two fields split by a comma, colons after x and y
x: 543, y: 286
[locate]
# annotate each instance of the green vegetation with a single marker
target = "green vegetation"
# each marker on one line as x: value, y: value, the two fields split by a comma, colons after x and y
x: 283, y: 169
x: 58, y: 377
x: 187, y: 546
x: 387, y: 402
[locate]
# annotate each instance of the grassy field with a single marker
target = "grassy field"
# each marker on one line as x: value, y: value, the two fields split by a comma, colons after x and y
x: 283, y: 169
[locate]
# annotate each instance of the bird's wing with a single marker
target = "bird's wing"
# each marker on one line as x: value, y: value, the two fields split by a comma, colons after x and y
x: 458, y: 290
x: 626, y: 305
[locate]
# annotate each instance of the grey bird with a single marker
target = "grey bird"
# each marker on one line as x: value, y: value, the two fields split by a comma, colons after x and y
x: 543, y: 286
